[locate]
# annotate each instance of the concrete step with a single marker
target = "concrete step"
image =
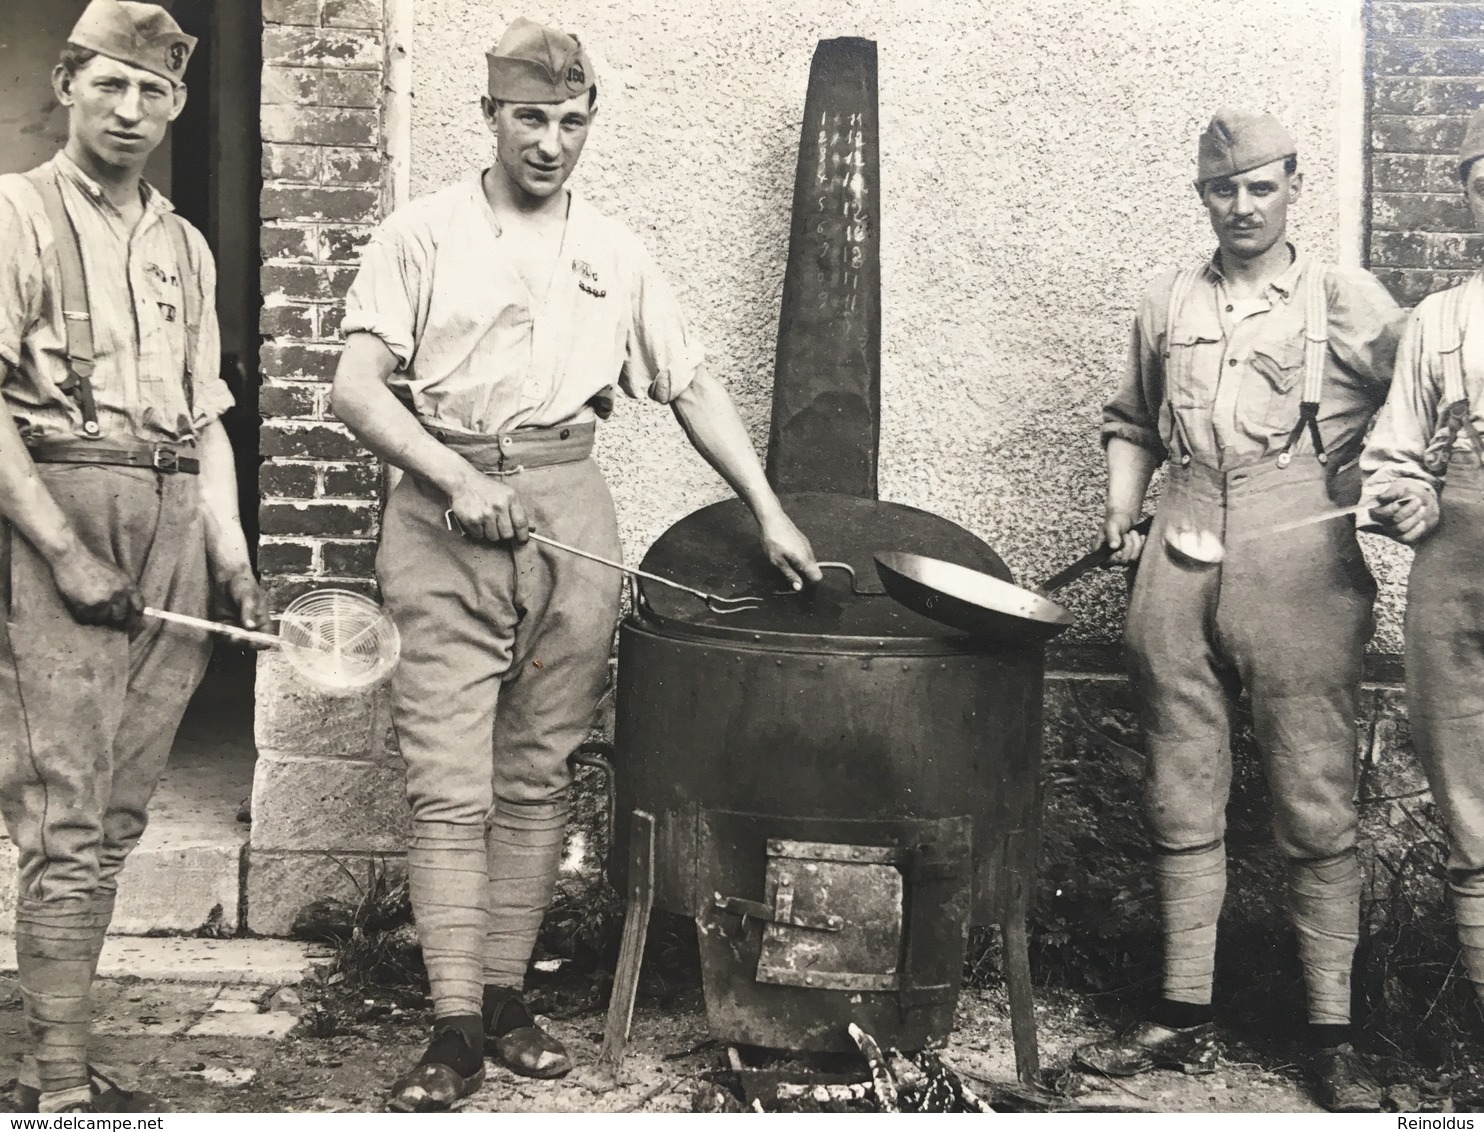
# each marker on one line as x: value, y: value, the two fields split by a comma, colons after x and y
x: 187, y: 872
x: 259, y: 962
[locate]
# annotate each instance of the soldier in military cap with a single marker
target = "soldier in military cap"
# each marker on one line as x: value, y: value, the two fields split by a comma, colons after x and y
x: 484, y: 334
x: 117, y: 492
x: 1424, y: 466
x: 1255, y: 375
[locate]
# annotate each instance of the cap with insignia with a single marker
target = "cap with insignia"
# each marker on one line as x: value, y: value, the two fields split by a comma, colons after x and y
x: 1473, y: 144
x: 1239, y: 140
x: 144, y: 35
x: 534, y: 63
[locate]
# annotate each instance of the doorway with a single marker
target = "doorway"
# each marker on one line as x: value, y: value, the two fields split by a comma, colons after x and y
x: 209, y: 168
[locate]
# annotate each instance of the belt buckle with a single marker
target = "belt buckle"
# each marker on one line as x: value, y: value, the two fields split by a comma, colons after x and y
x: 164, y: 459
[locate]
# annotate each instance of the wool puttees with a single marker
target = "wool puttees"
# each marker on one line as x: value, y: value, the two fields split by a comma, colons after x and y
x: 1192, y: 887
x: 1324, y: 897
x: 446, y: 881
x: 524, y: 854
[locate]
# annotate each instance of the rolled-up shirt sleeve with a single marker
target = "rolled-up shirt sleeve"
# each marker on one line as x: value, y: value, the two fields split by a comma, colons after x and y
x: 1133, y: 413
x: 1408, y: 422
x: 385, y: 296
x: 20, y: 280
x: 210, y: 396
x: 1365, y: 325
x: 663, y: 353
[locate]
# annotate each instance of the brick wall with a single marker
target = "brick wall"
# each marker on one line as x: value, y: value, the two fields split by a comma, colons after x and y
x: 324, y: 66
x: 1424, y: 62
x: 328, y: 795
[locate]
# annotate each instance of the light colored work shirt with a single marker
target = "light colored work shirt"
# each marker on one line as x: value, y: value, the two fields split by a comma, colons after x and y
x: 478, y: 352
x: 1233, y: 370
x: 138, y: 317
x: 1416, y: 435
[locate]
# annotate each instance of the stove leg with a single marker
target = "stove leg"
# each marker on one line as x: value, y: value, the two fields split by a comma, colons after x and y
x: 631, y: 953
x: 1018, y: 983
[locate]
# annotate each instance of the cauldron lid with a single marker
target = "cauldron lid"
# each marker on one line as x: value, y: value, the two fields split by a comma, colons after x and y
x: 716, y: 549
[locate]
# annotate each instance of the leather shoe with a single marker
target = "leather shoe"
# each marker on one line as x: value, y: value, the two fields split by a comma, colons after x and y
x: 433, y: 1085
x: 518, y: 1044
x: 1342, y: 1083
x: 1148, y: 1045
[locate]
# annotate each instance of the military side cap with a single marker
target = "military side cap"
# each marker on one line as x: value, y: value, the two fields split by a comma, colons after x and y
x: 1238, y: 140
x: 1473, y: 144
x: 534, y: 63
x: 144, y: 35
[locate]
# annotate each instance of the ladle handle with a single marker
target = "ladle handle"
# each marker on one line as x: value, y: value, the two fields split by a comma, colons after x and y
x: 1089, y: 562
x: 619, y: 566
x: 1295, y: 524
x: 268, y: 640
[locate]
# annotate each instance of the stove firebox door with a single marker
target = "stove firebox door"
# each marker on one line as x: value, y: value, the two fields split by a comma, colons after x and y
x: 837, y: 917
x: 809, y: 924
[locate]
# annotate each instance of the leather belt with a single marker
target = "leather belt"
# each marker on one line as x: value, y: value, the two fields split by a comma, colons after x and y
x: 160, y: 457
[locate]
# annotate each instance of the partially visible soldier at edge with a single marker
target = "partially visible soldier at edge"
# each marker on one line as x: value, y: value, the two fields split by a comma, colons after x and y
x: 1256, y: 373
x: 117, y: 492
x: 1424, y: 467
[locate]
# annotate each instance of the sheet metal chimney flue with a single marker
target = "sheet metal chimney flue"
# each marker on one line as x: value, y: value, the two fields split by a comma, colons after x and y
x: 827, y: 380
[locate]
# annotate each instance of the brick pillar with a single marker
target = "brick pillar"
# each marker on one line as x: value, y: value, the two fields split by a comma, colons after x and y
x: 1424, y: 62
x: 328, y: 792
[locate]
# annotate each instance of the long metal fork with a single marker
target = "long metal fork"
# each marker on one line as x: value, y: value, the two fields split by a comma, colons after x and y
x: 717, y: 604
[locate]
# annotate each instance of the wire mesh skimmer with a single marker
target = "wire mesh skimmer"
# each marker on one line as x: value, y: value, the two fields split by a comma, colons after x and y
x: 337, y: 641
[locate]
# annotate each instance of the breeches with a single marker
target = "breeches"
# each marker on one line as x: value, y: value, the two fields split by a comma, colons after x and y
x: 88, y: 714
x: 1445, y: 666
x: 1284, y: 616
x: 504, y: 648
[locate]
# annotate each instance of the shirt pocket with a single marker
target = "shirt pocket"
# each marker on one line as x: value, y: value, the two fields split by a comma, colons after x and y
x: 1192, y: 361
x: 1269, y: 401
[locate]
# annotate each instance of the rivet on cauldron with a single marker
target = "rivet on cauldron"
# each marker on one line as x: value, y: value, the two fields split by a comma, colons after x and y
x: 785, y: 881
x: 811, y: 868
x: 834, y: 921
x: 809, y: 980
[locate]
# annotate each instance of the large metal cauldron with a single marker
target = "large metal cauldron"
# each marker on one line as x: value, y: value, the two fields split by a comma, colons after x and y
x: 838, y: 786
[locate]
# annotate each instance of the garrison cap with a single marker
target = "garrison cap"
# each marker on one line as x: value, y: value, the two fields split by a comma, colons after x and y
x: 1473, y: 144
x: 1239, y: 140
x: 535, y: 63
x: 142, y: 34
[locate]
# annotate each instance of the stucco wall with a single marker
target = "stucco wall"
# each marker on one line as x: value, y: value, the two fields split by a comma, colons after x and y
x: 1036, y: 167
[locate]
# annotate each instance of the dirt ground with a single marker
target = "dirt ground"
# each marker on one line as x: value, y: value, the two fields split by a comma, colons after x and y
x: 348, y: 1046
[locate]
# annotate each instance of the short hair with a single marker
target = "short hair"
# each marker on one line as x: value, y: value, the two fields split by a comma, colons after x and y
x: 592, y: 98
x: 75, y: 58
x: 1465, y: 169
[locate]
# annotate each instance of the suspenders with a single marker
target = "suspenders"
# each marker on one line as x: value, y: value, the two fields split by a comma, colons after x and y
x: 1316, y: 342
x: 77, y: 311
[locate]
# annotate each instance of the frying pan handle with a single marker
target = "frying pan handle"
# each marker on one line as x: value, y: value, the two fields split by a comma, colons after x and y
x: 1087, y: 562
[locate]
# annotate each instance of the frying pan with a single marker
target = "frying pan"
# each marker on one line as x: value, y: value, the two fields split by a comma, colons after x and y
x: 979, y: 604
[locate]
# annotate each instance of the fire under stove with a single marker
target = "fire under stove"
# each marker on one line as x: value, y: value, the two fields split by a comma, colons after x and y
x: 834, y: 787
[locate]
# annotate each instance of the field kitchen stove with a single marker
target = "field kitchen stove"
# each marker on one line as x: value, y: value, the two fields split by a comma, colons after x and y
x: 834, y: 787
